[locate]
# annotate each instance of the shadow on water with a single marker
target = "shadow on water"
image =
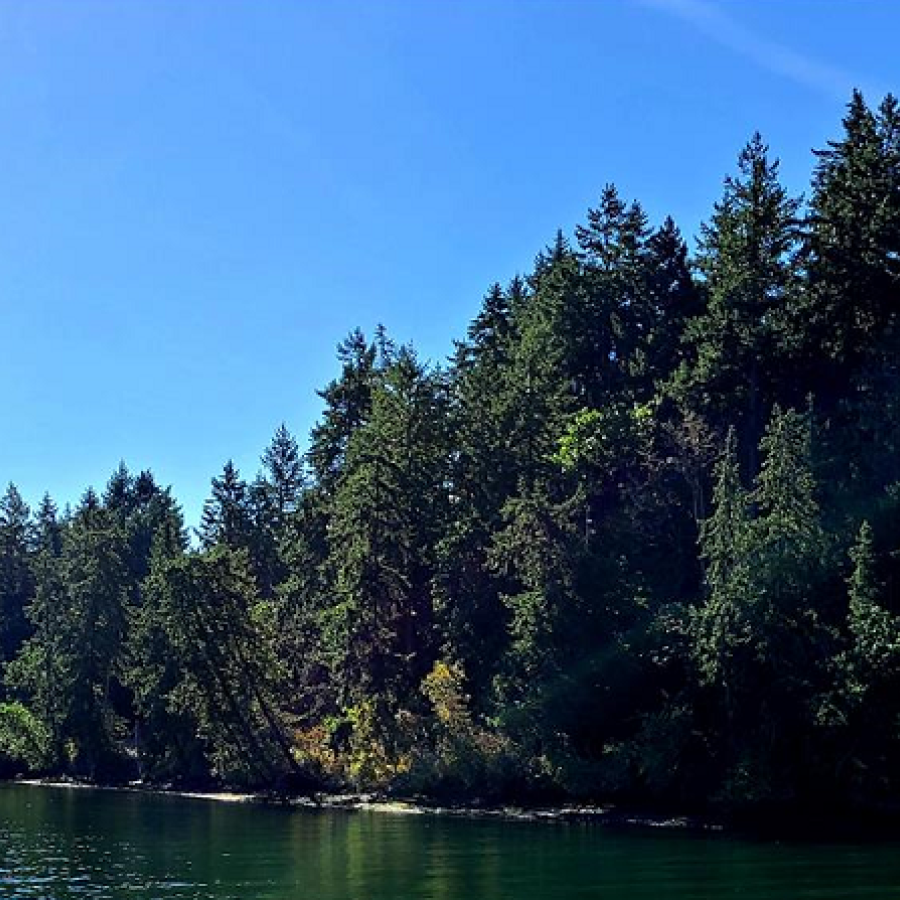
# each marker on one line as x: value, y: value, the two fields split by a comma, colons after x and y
x: 57, y: 844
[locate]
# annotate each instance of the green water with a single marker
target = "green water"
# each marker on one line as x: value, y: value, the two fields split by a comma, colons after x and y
x: 57, y: 843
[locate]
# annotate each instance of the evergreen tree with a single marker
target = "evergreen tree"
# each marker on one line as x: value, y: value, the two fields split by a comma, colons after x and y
x: 16, y: 579
x: 119, y: 493
x: 283, y: 478
x: 44, y: 669
x: 484, y: 474
x: 48, y: 530
x: 538, y: 392
x: 599, y: 321
x: 725, y: 549
x: 761, y: 641
x: 668, y: 301
x: 855, y: 237
x: 348, y: 401
x: 69, y: 667
x: 387, y: 517
x: 850, y: 308
x: 537, y: 550
x: 275, y: 500
x: 874, y: 629
x: 227, y: 518
x: 739, y: 346
x: 218, y: 670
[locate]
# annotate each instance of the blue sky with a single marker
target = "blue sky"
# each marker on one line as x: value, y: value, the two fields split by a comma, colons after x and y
x: 199, y: 199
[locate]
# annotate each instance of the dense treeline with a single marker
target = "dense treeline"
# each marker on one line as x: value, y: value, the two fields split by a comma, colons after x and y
x: 640, y: 539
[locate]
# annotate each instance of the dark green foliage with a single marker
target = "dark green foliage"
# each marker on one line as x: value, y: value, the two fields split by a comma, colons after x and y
x: 620, y: 547
x: 216, y: 672
x: 861, y: 714
x: 389, y: 507
x: 48, y: 530
x: 16, y: 578
x: 484, y: 472
x: 668, y: 300
x: 762, y: 645
x: 854, y: 240
x: 348, y: 401
x: 70, y: 665
x: 741, y: 344
x: 282, y: 483
x: 227, y: 515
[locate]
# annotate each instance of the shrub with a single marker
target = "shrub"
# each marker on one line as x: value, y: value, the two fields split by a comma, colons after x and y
x: 24, y: 740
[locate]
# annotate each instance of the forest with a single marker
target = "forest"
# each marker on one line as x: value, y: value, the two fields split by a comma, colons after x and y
x: 637, y: 540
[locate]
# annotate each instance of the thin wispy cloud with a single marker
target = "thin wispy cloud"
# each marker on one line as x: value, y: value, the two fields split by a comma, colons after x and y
x: 711, y: 20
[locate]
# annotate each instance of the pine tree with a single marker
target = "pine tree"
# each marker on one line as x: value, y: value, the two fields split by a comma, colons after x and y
x: 851, y: 325
x: 119, y: 493
x: 168, y: 747
x: 306, y: 597
x: 859, y: 715
x: 536, y: 550
x: 789, y: 518
x: 48, y: 530
x: 217, y: 669
x: 348, y: 401
x: 273, y: 501
x: 16, y: 579
x: 44, y: 670
x: 387, y: 517
x: 227, y: 519
x: 599, y: 321
x: 483, y: 475
x: 740, y: 345
x: 538, y: 389
x: 69, y: 668
x: 875, y: 630
x: 761, y: 642
x: 668, y: 301
x: 283, y: 478
x: 724, y: 539
x: 855, y: 235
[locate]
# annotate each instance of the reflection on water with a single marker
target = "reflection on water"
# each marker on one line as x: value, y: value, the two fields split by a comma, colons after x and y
x: 57, y: 844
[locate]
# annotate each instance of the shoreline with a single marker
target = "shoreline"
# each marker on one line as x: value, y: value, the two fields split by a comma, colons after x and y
x: 608, y: 815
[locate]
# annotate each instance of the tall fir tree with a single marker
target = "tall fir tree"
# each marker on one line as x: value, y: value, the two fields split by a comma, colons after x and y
x: 387, y: 517
x: 16, y: 578
x: 740, y: 347
x: 227, y: 518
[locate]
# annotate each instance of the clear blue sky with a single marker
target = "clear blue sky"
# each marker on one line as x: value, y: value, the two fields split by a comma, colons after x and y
x: 199, y: 199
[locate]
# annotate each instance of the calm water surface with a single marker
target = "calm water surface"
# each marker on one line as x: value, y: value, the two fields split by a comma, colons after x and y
x: 58, y: 843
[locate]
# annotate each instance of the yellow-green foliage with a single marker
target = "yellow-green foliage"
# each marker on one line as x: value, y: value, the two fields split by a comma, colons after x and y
x: 443, y: 686
x: 312, y: 748
x: 598, y: 438
x: 353, y: 749
x: 371, y: 764
x: 465, y: 757
x: 23, y: 738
